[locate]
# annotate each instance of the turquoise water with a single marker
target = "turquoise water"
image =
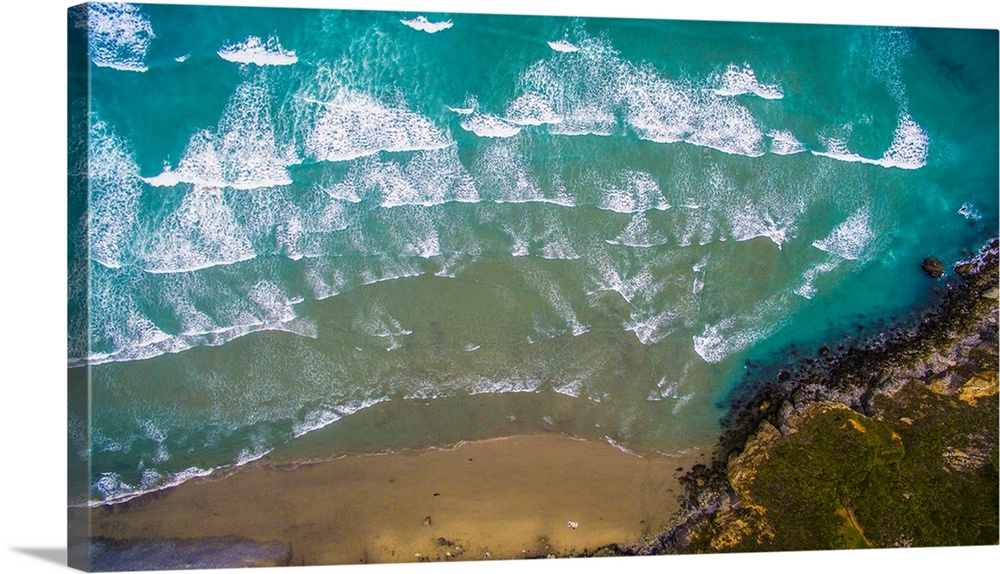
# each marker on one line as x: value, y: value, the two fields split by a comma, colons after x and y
x: 414, y: 232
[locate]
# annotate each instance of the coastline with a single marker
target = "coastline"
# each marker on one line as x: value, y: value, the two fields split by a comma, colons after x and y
x: 513, y: 496
x: 503, y: 498
x: 899, y: 429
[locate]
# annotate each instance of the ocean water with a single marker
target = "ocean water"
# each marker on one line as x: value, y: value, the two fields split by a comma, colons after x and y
x: 348, y: 231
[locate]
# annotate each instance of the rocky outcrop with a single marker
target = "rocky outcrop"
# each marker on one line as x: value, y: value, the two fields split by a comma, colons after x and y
x: 888, y: 443
x: 933, y: 267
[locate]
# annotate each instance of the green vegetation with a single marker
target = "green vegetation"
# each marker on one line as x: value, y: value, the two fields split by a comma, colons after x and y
x: 893, y: 443
x: 845, y: 480
x: 817, y: 479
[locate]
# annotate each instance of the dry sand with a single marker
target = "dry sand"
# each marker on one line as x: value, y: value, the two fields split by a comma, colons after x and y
x: 501, y: 498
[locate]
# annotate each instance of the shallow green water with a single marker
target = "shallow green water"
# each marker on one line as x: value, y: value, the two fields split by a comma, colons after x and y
x: 295, y: 215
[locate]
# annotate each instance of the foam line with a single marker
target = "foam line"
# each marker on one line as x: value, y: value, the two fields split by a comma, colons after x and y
x: 424, y: 25
x: 255, y: 51
x: 119, y: 36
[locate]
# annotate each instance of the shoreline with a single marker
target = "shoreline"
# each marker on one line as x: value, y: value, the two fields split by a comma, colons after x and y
x: 916, y: 382
x: 513, y: 496
x: 500, y: 498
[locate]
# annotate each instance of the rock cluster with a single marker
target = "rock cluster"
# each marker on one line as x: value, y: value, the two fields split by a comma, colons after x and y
x: 917, y: 403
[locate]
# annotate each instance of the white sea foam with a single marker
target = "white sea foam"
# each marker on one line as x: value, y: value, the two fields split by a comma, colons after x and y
x: 520, y: 247
x: 699, y: 275
x: 531, y: 109
x: 586, y: 91
x: 560, y: 303
x: 681, y: 403
x: 739, y: 332
x: 908, y: 150
x: 248, y: 455
x: 969, y: 211
x: 617, y: 445
x: 558, y: 247
x: 674, y: 390
x: 300, y: 232
x: 502, y: 175
x: 700, y: 227
x: 727, y: 127
x: 118, y: 35
x: 424, y: 25
x: 808, y: 289
x: 641, y: 284
x: 468, y: 106
x: 240, y: 152
x: 850, y: 239
x: 665, y: 111
x: 749, y: 221
x: 505, y: 385
x: 183, y: 58
x: 112, y: 490
x: 258, y: 52
x: 201, y: 232
x: 586, y: 119
x: 329, y: 277
x: 638, y: 234
x: 632, y: 192
x: 909, y: 146
x: 120, y: 331
x: 658, y: 110
x: 892, y: 46
x: 580, y: 86
x: 352, y: 125
x: 115, y: 189
x: 742, y: 80
x: 652, y: 327
x: 571, y: 388
x: 783, y: 142
x: 489, y: 126
x: 315, y: 420
x: 836, y: 148
x: 563, y: 46
x: 425, y: 246
x: 428, y: 178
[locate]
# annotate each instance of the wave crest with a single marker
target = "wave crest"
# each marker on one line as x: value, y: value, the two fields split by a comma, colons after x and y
x: 119, y: 35
x: 258, y: 52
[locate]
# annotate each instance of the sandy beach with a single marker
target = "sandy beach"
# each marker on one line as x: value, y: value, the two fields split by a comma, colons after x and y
x: 492, y: 499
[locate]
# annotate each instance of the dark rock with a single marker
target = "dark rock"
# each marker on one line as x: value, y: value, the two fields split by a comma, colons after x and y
x: 932, y: 267
x: 851, y: 374
x: 784, y: 375
x: 963, y: 269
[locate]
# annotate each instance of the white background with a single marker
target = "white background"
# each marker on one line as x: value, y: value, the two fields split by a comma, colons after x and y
x: 33, y: 248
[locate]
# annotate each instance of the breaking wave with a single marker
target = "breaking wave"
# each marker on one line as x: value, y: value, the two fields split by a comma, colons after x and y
x: 424, y: 25
x: 352, y: 125
x: 119, y: 35
x: 241, y: 152
x: 258, y: 52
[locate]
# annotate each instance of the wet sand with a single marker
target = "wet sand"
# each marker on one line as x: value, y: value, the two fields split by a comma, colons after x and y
x: 501, y: 498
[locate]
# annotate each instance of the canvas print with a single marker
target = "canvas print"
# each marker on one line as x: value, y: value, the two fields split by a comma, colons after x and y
x: 354, y: 286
